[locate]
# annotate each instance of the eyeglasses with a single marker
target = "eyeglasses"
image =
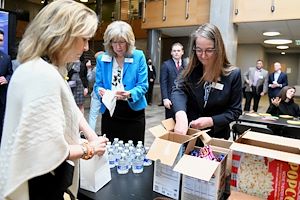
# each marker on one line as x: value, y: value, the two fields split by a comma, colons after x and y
x: 121, y: 43
x: 207, y: 52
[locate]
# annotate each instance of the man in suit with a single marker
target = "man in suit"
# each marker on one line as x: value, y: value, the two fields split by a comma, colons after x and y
x: 256, y: 82
x: 168, y: 74
x: 5, y: 74
x: 277, y: 80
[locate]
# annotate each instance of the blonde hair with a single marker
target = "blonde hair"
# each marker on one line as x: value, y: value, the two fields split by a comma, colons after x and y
x: 55, y: 28
x: 221, y: 64
x: 119, y: 30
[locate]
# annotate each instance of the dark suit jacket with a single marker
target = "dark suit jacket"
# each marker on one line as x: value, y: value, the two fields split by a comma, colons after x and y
x: 223, y: 105
x: 6, y: 71
x: 168, y: 75
x: 282, y: 79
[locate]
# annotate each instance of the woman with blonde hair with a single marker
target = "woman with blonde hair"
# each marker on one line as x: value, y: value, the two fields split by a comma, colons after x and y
x: 41, y: 146
x: 208, y: 93
x: 121, y: 72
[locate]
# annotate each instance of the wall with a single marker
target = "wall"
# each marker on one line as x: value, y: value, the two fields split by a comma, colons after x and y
x: 248, y: 54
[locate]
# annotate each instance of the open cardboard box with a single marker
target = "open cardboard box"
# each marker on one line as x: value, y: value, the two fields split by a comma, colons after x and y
x: 167, y: 144
x: 202, y: 178
x: 166, y: 150
x: 267, y: 163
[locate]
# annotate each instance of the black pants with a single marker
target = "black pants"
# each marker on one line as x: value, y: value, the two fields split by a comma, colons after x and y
x: 249, y: 96
x: 50, y: 186
x: 149, y: 93
x: 2, y: 111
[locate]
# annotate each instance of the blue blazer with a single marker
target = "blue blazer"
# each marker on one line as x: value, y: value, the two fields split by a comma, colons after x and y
x: 282, y: 79
x: 135, y: 78
x: 6, y: 71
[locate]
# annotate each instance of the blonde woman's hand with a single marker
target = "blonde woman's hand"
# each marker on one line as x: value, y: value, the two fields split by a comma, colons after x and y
x: 202, y: 123
x: 99, y: 145
x: 181, y: 125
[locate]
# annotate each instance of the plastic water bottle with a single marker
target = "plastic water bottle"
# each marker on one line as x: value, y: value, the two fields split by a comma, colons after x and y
x: 111, y: 158
x: 116, y: 140
x: 141, y: 147
x: 137, y: 163
x: 131, y: 154
x: 126, y: 151
x: 123, y: 165
x: 118, y: 153
x: 130, y: 142
x: 147, y: 162
x: 126, y: 146
x: 121, y: 143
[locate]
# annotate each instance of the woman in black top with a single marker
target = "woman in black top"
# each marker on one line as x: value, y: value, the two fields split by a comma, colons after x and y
x: 284, y: 104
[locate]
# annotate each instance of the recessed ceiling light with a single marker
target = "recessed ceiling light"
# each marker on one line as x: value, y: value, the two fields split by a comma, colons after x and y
x: 271, y: 33
x: 283, y: 53
x: 84, y: 1
x: 42, y: 2
x: 282, y: 47
x: 278, y: 41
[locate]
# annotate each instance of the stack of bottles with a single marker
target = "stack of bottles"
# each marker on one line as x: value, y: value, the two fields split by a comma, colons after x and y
x: 127, y: 156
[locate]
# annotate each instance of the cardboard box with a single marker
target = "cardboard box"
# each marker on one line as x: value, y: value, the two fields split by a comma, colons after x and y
x: 166, y: 150
x: 202, y: 178
x: 266, y: 166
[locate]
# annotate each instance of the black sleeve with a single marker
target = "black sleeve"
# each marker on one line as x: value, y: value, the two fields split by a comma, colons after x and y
x: 83, y: 73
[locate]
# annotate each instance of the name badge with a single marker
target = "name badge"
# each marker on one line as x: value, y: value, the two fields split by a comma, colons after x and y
x: 128, y: 60
x: 106, y: 58
x: 260, y: 77
x: 218, y: 86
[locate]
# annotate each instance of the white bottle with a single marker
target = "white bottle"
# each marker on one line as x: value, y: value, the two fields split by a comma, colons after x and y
x: 123, y: 165
x: 121, y: 143
x: 147, y: 162
x: 137, y: 163
x: 130, y: 142
x: 111, y: 158
x: 118, y: 153
x: 116, y: 140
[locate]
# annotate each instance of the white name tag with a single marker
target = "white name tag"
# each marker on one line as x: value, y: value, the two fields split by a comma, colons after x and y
x: 260, y: 77
x: 128, y: 60
x: 218, y: 86
x: 106, y: 58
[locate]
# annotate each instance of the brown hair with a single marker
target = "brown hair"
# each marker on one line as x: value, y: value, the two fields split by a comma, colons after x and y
x: 221, y: 63
x: 282, y: 93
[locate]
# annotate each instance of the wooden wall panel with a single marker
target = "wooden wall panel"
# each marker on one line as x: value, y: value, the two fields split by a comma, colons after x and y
x: 175, y: 13
x: 258, y: 10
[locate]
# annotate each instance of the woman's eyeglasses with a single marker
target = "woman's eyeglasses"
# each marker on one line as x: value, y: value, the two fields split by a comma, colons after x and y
x: 121, y: 43
x: 207, y: 52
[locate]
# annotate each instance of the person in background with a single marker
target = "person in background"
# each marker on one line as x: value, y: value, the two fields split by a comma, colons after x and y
x: 41, y: 146
x: 95, y: 101
x: 168, y: 74
x: 208, y: 94
x: 78, y: 81
x: 121, y: 73
x: 151, y: 80
x: 5, y: 75
x: 276, y: 81
x: 284, y: 103
x: 256, y: 83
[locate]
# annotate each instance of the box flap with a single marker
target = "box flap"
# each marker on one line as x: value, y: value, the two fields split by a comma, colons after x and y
x: 158, y: 131
x: 164, y: 150
x: 196, y: 167
x: 169, y: 124
x: 241, y: 196
x: 204, y: 137
x: 271, y: 153
x: 274, y: 139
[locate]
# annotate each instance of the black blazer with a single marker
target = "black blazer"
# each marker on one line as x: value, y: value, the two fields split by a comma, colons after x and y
x: 282, y: 79
x: 223, y: 105
x: 168, y: 75
x: 6, y: 71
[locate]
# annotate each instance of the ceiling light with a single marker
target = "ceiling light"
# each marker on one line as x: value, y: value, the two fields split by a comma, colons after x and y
x: 271, y: 33
x: 282, y: 47
x: 283, y: 53
x: 84, y: 1
x: 278, y: 41
x: 42, y: 2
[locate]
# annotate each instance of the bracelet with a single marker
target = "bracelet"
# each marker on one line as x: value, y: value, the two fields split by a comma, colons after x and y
x: 88, y: 151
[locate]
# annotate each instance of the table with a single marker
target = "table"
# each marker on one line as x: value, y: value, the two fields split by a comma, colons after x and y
x: 125, y: 187
x: 260, y: 120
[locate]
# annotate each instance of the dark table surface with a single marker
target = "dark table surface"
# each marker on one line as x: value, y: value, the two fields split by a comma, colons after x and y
x: 264, y: 120
x: 125, y: 187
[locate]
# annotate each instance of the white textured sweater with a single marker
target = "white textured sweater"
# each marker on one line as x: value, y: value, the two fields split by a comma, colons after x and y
x: 41, y: 119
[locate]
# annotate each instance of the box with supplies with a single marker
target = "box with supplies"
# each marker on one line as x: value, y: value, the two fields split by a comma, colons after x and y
x: 266, y: 166
x: 166, y: 150
x: 203, y: 169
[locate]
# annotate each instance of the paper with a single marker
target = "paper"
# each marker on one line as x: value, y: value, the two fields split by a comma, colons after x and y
x: 109, y: 99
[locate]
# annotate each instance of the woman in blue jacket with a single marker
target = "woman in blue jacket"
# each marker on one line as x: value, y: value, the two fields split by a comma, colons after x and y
x: 122, y: 73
